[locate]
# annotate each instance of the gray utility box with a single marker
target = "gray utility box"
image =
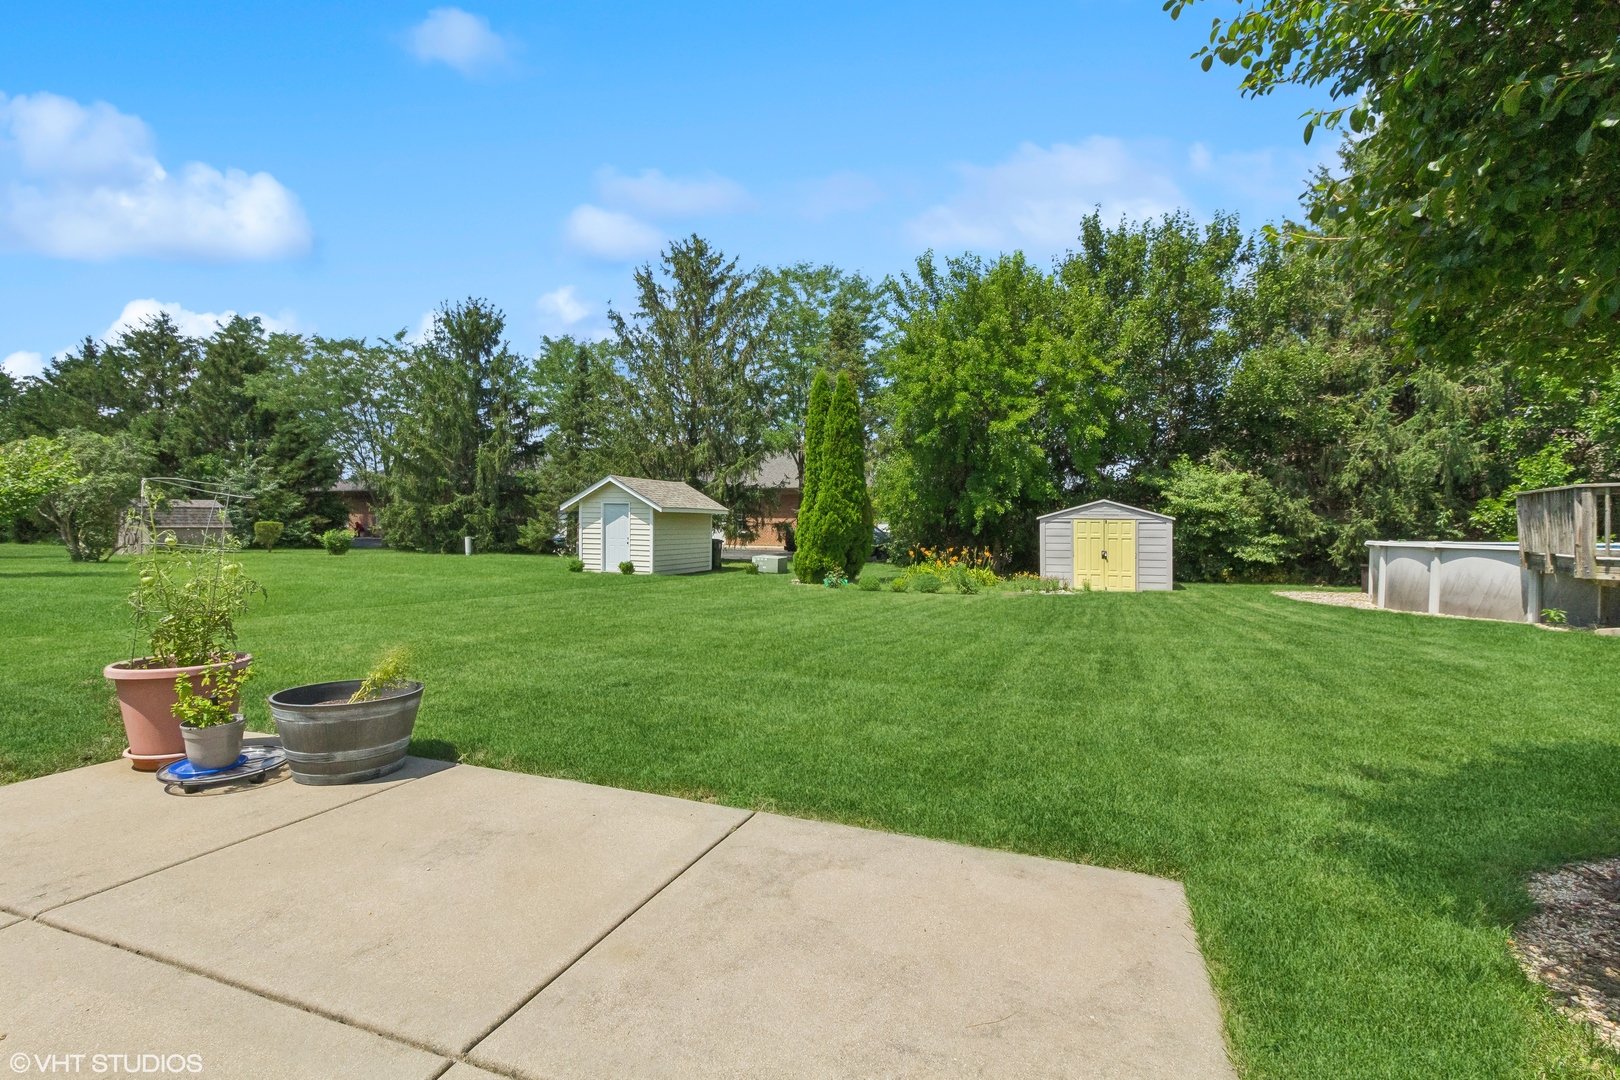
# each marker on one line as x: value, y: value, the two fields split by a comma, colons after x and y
x: 774, y: 564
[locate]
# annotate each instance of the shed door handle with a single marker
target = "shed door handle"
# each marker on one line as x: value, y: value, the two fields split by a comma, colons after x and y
x: 1105, y: 554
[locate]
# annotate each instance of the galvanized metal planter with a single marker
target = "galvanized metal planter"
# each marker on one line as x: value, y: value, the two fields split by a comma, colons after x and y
x: 330, y: 740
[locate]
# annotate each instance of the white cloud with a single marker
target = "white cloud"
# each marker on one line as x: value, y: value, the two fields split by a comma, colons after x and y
x: 563, y: 306
x: 23, y: 365
x: 424, y: 328
x: 656, y: 195
x: 1268, y: 177
x: 610, y: 234
x: 842, y: 192
x: 80, y: 182
x: 137, y: 313
x: 460, y: 39
x: 1036, y: 198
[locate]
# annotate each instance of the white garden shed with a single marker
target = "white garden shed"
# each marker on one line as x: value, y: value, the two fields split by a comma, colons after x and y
x: 1112, y: 546
x: 662, y: 526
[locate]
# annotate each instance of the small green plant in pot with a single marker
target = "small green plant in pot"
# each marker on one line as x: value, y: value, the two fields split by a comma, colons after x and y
x: 185, y: 604
x: 392, y: 672
x: 209, y: 723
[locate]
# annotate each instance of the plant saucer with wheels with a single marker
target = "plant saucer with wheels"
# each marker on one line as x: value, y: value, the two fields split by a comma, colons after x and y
x: 257, y: 762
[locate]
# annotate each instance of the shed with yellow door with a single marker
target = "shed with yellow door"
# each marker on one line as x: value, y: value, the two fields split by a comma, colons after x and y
x: 1111, y: 546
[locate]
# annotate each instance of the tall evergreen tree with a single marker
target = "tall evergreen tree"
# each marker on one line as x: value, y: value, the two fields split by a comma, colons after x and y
x: 454, y: 466
x: 809, y: 560
x: 696, y: 352
x: 843, y: 511
x: 579, y: 396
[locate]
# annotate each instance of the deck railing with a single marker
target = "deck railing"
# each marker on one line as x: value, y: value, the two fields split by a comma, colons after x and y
x: 1570, y: 530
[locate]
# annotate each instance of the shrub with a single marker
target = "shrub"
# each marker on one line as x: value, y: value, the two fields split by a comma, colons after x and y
x: 539, y: 536
x: 337, y: 541
x: 576, y: 565
x: 31, y: 469
x: 627, y: 567
x: 925, y: 581
x: 751, y: 568
x: 899, y: 584
x: 1057, y: 584
x: 1233, y: 525
x: 88, y: 510
x: 869, y: 584
x: 267, y: 533
x: 964, y: 580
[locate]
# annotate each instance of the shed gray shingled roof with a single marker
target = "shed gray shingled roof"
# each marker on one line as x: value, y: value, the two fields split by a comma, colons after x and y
x: 189, y: 514
x: 662, y: 494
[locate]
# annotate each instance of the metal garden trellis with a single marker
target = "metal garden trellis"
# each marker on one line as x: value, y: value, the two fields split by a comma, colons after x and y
x: 155, y: 541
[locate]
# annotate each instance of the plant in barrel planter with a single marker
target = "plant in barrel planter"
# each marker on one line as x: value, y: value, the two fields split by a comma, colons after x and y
x: 352, y: 730
x: 185, y: 603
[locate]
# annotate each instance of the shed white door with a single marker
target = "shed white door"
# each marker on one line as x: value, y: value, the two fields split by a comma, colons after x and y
x: 615, y: 535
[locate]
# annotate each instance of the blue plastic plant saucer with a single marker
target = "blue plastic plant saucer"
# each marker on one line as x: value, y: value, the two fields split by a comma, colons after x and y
x: 255, y: 763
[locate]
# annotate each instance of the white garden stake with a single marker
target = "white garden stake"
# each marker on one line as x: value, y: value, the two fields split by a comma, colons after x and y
x: 466, y: 542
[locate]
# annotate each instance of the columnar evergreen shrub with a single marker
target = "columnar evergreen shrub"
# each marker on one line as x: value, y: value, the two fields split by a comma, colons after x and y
x: 810, y: 561
x: 843, y: 516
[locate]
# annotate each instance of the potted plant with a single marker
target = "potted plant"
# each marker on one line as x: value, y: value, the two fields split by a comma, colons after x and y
x: 185, y: 604
x: 352, y: 730
x: 209, y: 724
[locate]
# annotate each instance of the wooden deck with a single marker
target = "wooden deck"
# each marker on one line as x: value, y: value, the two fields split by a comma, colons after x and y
x: 1570, y: 530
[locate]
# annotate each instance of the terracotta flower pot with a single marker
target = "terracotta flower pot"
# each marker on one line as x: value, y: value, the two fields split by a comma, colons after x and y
x: 146, y: 697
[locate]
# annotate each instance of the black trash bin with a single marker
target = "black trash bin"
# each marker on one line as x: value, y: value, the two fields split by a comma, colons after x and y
x: 714, y: 562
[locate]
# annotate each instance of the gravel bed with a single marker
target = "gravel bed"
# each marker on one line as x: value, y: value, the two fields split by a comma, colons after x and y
x: 1571, y: 944
x: 1322, y: 596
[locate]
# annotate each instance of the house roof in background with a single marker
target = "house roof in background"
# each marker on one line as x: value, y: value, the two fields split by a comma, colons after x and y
x: 665, y: 496
x: 778, y: 471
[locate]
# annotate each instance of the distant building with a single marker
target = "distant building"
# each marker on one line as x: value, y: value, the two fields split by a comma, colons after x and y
x: 778, y: 476
x: 191, y: 522
x: 654, y: 526
x: 357, y: 497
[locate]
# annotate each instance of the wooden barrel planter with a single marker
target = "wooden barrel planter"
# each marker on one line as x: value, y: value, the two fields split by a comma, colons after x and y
x: 331, y: 740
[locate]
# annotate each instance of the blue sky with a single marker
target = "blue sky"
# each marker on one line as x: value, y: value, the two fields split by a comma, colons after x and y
x: 345, y: 169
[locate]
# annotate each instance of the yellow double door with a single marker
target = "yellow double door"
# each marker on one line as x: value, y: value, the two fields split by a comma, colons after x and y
x: 1105, y: 554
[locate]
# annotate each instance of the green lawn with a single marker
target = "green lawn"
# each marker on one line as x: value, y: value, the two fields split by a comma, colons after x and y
x: 1352, y: 798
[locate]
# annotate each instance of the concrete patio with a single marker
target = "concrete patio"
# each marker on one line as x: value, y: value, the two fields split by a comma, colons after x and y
x: 464, y: 922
